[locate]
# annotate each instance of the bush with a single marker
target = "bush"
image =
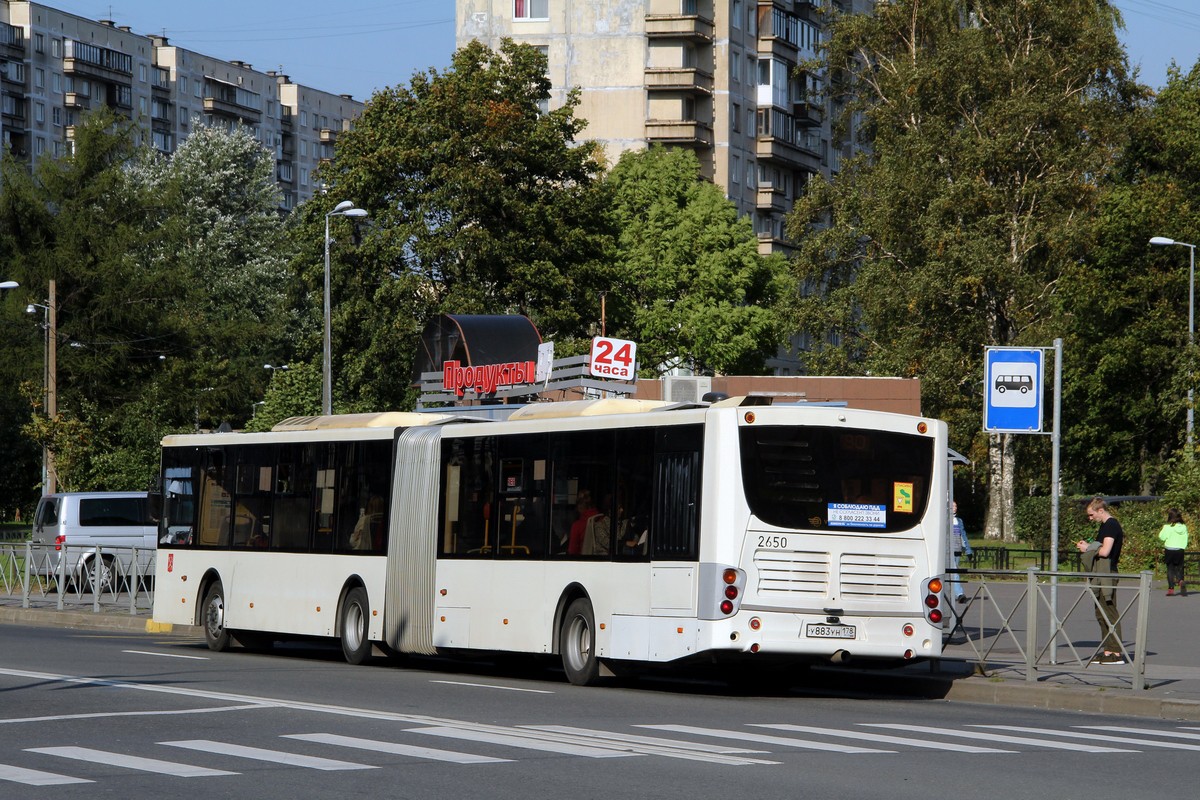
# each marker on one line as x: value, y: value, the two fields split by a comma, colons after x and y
x: 1140, y: 521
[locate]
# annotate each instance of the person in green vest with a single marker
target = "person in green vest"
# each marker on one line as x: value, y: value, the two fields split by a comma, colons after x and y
x: 1174, y: 536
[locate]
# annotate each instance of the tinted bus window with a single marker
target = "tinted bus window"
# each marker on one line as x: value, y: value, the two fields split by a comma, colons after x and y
x: 845, y: 480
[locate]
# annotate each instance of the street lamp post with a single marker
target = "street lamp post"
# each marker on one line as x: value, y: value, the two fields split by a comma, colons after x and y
x: 9, y: 284
x: 49, y: 381
x: 342, y: 209
x: 1191, y: 407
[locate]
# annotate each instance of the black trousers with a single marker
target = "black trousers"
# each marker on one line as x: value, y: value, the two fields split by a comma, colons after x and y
x: 1174, y: 567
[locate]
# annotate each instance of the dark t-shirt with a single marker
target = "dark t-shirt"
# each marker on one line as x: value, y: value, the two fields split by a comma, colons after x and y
x: 1111, y: 529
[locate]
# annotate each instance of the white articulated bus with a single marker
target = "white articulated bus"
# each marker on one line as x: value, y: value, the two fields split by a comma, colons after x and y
x: 605, y: 532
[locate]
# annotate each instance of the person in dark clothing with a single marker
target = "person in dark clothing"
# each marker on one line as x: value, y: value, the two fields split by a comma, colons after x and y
x: 1102, y: 555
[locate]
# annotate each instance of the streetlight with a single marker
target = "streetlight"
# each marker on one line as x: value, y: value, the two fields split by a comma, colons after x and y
x: 9, y: 284
x: 49, y: 381
x: 275, y: 367
x: 342, y: 209
x: 1164, y: 241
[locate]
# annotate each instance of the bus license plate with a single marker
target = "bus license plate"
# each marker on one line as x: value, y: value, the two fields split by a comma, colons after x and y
x: 813, y: 631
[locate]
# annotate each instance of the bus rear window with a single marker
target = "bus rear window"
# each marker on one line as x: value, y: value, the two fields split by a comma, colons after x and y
x: 843, y: 480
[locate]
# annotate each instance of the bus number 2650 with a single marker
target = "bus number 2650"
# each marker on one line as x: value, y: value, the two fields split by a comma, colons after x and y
x: 773, y: 542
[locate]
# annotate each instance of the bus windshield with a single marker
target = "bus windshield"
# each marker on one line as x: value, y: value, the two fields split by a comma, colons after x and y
x: 802, y: 477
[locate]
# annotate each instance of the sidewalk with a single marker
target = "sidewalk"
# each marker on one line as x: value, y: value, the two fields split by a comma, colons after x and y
x: 1172, y: 665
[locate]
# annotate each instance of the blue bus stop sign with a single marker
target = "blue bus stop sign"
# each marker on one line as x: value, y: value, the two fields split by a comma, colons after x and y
x: 1012, y: 390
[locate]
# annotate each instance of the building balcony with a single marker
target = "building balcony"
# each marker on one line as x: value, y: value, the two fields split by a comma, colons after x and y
x: 691, y: 27
x: 771, y: 198
x: 77, y: 67
x: 327, y: 135
x: 679, y: 79
x: 804, y: 154
x: 76, y: 100
x: 224, y: 108
x: 808, y: 113
x: 769, y: 243
x: 778, y: 47
x: 682, y: 132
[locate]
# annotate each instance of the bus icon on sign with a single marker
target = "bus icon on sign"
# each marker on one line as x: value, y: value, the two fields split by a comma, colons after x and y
x: 1014, y: 383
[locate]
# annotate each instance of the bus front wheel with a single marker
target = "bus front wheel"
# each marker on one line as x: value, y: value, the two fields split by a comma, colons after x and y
x: 355, y: 644
x: 212, y: 617
x: 577, y: 642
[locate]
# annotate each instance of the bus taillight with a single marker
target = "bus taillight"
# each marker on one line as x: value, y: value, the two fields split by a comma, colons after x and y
x: 935, y: 616
x: 909, y: 630
x: 731, y: 592
x: 726, y: 606
x: 730, y: 576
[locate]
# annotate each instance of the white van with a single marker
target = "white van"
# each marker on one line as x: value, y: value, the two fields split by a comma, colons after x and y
x: 116, y: 522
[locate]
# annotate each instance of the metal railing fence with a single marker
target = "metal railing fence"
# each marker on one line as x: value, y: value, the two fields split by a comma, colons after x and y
x: 73, y: 578
x: 1046, y: 622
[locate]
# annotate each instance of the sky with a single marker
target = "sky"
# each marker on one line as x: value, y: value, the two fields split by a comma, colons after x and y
x: 360, y: 46
x: 340, y: 46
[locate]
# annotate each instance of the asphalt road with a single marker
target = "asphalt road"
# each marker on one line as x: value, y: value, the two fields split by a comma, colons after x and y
x: 87, y: 714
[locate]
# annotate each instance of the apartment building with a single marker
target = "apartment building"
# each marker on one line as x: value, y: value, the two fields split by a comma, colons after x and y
x: 54, y: 66
x: 717, y: 76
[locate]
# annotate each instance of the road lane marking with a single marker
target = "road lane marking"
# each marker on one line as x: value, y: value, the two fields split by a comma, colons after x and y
x: 619, y: 738
x: 107, y: 714
x: 33, y: 777
x: 395, y: 748
x: 165, y: 655
x: 1094, y: 737
x: 997, y: 737
x: 107, y: 758
x: 512, y: 739
x: 494, y: 686
x: 882, y: 738
x: 262, y: 754
x: 782, y: 741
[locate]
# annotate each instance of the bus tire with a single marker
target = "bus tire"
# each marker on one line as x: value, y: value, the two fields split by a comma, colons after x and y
x: 212, y: 618
x: 577, y: 643
x: 355, y: 613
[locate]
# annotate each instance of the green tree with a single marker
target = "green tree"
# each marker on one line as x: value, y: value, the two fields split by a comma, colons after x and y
x: 991, y: 126
x: 479, y: 203
x: 689, y: 285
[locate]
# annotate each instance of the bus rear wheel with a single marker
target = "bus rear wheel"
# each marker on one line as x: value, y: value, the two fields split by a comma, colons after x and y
x: 355, y: 644
x: 577, y: 643
x: 212, y: 617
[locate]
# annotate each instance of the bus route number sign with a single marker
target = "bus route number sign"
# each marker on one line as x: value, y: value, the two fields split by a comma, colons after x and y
x: 613, y: 358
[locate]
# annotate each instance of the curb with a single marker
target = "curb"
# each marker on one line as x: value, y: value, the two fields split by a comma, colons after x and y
x: 83, y: 620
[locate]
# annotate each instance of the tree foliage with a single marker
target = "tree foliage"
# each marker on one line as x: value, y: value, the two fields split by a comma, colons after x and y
x: 168, y: 278
x: 479, y: 203
x: 689, y: 284
x: 991, y: 128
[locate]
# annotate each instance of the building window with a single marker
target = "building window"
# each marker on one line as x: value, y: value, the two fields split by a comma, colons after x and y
x: 531, y: 9
x: 736, y: 16
x: 39, y: 146
x: 56, y: 47
x: 142, y: 73
x: 39, y: 78
x: 56, y: 82
x: 688, y: 7
x: 736, y: 118
x: 303, y: 176
x: 198, y: 88
x: 735, y: 167
x: 303, y: 119
x: 56, y: 116
x: 39, y: 43
x: 39, y: 112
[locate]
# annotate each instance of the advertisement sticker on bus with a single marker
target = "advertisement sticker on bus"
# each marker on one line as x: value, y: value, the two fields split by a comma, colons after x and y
x: 902, y: 498
x: 857, y: 515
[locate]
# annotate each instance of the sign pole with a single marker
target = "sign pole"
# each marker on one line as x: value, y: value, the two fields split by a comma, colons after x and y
x: 1056, y: 491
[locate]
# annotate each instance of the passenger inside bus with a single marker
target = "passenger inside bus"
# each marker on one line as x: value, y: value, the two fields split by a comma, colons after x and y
x: 586, y: 510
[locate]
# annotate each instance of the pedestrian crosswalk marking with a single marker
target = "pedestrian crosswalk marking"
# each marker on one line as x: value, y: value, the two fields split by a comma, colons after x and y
x: 1095, y: 737
x: 33, y: 777
x: 513, y: 739
x: 783, y: 741
x: 998, y: 737
x: 262, y: 754
x: 395, y: 748
x: 1179, y: 734
x: 107, y: 758
x: 884, y: 738
x: 657, y: 746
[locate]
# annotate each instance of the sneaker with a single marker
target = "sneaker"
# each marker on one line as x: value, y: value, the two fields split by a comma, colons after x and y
x: 1112, y: 658
x: 1170, y: 592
